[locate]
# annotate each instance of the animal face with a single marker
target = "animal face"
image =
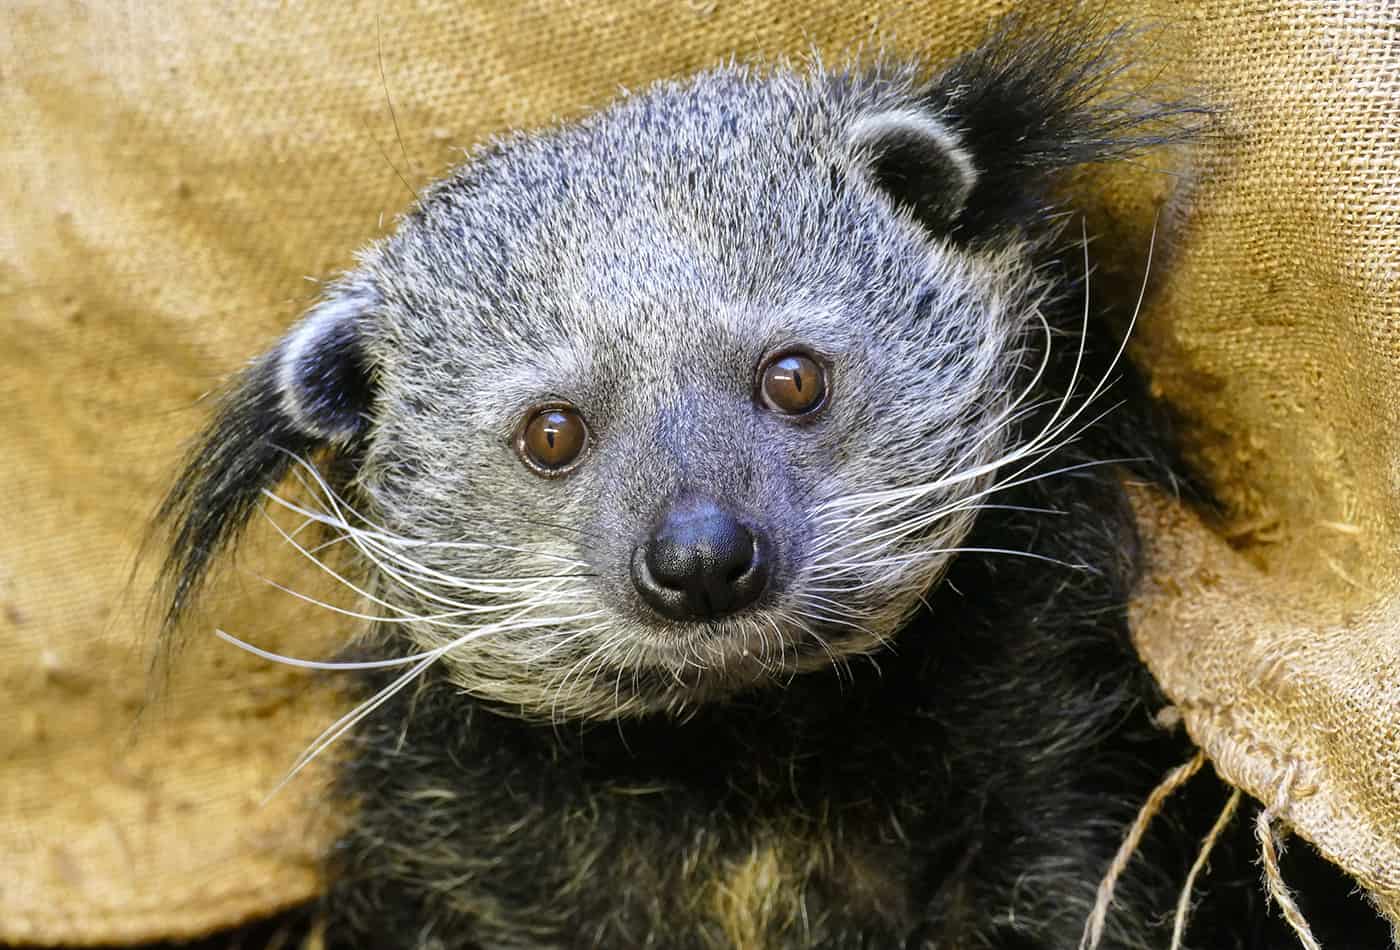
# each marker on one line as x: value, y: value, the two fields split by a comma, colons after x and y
x: 700, y: 392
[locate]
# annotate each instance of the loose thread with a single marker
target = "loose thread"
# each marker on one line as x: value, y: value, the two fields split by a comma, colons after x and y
x: 1268, y: 854
x: 1177, y: 777
x: 1183, y: 904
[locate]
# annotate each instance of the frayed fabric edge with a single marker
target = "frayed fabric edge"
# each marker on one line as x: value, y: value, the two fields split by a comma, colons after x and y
x: 1269, y: 849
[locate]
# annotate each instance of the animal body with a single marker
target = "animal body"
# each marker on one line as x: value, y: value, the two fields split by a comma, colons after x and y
x: 734, y: 481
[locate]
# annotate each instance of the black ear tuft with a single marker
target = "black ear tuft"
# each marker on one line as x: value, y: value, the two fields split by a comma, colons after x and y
x: 1029, y: 103
x: 912, y: 156
x: 315, y: 388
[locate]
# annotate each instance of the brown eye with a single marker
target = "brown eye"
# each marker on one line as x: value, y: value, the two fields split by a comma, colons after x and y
x: 552, y: 439
x: 793, y: 384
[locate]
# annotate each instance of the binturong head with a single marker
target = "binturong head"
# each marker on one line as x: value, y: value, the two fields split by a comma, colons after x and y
x: 695, y: 394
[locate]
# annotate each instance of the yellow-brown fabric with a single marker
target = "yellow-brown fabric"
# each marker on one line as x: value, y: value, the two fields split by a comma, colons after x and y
x: 1276, y: 331
x: 170, y: 173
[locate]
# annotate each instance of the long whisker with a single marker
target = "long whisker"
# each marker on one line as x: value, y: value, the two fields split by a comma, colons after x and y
x: 337, y: 518
x: 1048, y: 438
x: 861, y: 534
x: 401, y: 615
x: 347, y: 722
x: 320, y: 664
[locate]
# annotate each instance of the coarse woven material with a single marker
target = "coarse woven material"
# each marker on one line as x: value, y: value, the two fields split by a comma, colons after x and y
x: 171, y: 173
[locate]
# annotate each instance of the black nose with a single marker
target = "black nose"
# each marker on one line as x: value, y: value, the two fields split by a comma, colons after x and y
x: 700, y: 562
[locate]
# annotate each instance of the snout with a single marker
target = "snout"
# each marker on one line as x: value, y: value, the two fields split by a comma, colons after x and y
x: 700, y: 562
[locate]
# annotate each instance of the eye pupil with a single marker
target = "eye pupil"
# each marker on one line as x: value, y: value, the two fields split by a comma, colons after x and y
x: 552, y: 439
x: 793, y: 384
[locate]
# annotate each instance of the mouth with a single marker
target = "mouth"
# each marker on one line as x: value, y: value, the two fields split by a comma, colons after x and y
x: 757, y: 644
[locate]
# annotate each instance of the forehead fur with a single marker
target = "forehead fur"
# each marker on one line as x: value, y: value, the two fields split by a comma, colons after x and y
x: 682, y: 209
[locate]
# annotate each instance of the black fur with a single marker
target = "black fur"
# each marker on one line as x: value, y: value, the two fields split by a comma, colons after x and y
x: 247, y: 449
x: 917, y: 174
x: 1030, y: 105
x: 252, y: 443
x: 334, y: 385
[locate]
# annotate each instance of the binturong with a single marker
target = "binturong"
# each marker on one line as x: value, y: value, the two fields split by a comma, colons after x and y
x: 735, y: 479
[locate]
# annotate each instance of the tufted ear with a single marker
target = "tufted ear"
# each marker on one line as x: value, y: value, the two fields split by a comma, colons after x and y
x: 1030, y: 103
x: 314, y: 388
x: 980, y: 150
x: 918, y: 161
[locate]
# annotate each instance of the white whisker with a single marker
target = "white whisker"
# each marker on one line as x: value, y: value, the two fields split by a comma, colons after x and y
x: 319, y: 664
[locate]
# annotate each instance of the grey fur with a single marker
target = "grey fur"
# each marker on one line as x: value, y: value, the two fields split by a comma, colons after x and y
x: 516, y: 282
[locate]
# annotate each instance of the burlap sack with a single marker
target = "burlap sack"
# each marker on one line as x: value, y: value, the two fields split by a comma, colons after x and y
x: 169, y: 173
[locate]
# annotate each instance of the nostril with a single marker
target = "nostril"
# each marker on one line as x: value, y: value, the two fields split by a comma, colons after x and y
x: 665, y: 563
x: 743, y: 559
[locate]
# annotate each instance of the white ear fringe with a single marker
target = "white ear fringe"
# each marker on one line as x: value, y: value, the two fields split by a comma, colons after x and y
x: 319, y: 323
x: 909, y: 123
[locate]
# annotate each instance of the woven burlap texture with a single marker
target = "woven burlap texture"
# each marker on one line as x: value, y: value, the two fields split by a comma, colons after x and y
x: 171, y: 173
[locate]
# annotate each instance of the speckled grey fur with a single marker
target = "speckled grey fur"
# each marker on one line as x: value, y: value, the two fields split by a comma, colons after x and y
x: 640, y: 265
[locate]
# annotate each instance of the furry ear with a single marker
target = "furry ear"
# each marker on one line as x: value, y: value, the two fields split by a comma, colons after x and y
x: 314, y: 388
x: 321, y: 372
x: 915, y: 159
